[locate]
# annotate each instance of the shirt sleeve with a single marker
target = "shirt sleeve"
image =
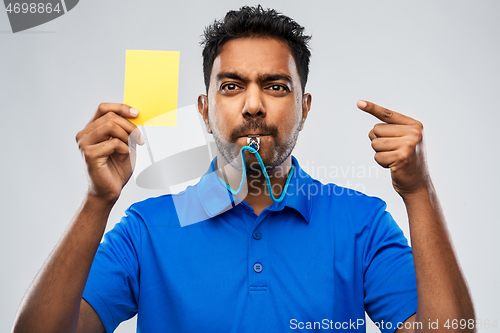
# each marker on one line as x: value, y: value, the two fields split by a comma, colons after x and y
x: 389, y: 273
x: 112, y: 287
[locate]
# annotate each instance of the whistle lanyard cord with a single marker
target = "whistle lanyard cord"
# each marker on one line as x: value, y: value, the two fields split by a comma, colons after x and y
x: 263, y: 168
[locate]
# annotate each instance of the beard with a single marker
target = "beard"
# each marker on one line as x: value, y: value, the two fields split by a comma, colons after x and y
x: 272, y: 154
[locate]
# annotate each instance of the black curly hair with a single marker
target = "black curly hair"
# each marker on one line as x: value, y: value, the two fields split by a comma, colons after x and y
x: 256, y: 22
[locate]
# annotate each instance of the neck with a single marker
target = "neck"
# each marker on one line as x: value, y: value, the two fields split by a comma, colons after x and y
x: 255, y: 191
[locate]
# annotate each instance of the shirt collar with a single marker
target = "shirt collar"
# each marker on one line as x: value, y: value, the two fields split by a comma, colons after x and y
x: 216, y: 199
x: 297, y: 193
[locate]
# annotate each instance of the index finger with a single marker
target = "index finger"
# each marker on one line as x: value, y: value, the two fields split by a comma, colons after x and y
x: 386, y: 115
x: 120, y: 109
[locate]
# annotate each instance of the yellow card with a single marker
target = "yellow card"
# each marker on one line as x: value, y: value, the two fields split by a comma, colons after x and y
x: 151, y: 86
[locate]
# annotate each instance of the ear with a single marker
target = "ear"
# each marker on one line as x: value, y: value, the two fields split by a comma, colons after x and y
x: 306, y: 106
x: 203, y: 110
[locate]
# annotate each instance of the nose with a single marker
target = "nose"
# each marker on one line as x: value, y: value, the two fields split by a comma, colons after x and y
x: 254, y: 104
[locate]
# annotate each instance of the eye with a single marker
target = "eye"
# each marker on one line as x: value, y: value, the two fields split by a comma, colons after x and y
x: 278, y: 89
x: 229, y: 88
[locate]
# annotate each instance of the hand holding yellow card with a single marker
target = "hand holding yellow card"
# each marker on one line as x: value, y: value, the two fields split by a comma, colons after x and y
x: 151, y: 86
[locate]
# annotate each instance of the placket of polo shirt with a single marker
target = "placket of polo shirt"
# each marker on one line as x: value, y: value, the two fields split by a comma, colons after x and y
x: 258, y: 262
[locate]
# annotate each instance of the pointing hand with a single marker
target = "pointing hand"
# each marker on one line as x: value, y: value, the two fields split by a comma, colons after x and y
x: 398, y: 146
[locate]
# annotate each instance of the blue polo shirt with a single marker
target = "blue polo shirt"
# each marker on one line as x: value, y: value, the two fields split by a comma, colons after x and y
x: 203, y: 261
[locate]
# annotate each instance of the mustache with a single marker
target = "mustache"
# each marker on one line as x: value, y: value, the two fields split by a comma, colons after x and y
x: 254, y: 125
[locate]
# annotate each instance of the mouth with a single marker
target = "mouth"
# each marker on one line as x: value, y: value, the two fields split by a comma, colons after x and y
x: 253, y: 134
x: 244, y: 138
x: 248, y: 139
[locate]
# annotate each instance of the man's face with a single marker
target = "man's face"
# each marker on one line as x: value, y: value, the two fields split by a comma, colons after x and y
x: 255, y: 89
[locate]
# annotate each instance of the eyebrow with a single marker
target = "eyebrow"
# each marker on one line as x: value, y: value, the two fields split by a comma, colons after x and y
x: 276, y: 77
x: 263, y: 77
x: 229, y: 75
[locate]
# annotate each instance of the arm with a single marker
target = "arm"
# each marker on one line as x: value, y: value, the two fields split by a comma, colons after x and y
x: 53, y: 303
x: 441, y: 287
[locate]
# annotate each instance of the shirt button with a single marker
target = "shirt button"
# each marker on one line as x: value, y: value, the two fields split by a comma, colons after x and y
x: 257, y: 267
x: 257, y: 235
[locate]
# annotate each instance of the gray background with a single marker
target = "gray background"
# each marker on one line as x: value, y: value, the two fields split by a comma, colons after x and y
x: 437, y: 61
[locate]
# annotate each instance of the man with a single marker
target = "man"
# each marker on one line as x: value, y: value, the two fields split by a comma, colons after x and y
x: 214, y: 259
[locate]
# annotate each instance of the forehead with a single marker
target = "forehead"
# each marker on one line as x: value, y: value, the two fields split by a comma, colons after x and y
x: 254, y: 56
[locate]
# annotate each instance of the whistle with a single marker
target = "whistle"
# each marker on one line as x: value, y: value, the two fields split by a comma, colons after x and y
x: 253, y: 141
